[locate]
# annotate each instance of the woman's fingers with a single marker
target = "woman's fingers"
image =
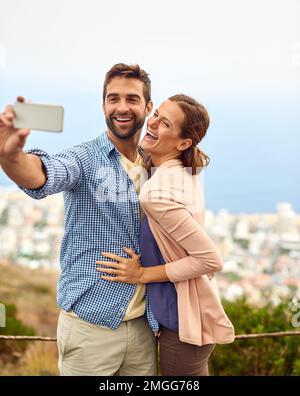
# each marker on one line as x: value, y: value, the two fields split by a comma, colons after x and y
x: 130, y: 252
x: 111, y: 278
x: 108, y: 263
x: 112, y: 256
x: 110, y: 271
x: 120, y: 259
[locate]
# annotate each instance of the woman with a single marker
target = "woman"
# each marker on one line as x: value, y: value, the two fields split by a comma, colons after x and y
x: 178, y: 258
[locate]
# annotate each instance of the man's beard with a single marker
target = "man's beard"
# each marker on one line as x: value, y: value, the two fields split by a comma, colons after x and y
x: 137, y: 125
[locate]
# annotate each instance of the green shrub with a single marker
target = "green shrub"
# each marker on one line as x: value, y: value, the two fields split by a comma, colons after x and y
x: 13, y: 327
x: 262, y: 356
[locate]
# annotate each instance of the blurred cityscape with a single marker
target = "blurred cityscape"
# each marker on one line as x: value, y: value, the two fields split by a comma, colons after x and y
x: 261, y: 252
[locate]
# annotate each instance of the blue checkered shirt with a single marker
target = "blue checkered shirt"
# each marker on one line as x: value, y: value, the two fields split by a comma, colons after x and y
x: 102, y: 214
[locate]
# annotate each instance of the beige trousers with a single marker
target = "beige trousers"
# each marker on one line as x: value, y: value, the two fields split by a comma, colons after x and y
x: 88, y: 349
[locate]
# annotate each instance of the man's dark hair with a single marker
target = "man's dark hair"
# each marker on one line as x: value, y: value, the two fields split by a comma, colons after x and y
x: 129, y: 71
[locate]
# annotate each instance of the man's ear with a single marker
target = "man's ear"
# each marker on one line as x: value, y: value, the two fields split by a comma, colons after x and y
x: 149, y: 108
x: 185, y: 144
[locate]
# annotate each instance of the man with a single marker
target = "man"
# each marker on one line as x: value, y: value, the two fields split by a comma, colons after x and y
x: 103, y: 327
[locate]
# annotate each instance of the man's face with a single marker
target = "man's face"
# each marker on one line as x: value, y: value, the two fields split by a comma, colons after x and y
x: 125, y: 107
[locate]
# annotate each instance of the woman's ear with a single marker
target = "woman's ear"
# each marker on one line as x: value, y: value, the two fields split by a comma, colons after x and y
x: 185, y: 144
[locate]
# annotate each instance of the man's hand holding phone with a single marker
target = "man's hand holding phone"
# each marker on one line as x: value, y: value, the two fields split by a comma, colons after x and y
x: 12, y: 140
x: 26, y: 170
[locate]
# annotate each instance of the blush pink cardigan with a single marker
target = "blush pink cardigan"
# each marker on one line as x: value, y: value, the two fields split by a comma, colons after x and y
x: 173, y: 202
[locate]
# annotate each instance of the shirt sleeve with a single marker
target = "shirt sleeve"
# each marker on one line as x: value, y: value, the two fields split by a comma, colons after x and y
x: 65, y: 170
x: 203, y: 257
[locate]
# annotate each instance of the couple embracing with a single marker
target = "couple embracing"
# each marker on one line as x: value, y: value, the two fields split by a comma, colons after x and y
x: 137, y: 271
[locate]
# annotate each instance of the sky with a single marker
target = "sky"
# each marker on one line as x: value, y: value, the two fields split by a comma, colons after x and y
x: 241, y: 59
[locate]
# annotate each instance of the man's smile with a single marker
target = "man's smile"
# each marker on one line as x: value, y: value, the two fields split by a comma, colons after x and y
x: 123, y: 120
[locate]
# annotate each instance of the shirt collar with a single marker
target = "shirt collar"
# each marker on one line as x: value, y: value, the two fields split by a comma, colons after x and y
x: 105, y: 144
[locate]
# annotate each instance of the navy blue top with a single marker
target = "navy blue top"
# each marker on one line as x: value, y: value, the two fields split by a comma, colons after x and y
x: 162, y: 295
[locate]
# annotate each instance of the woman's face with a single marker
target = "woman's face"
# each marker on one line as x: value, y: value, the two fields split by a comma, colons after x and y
x: 163, y: 130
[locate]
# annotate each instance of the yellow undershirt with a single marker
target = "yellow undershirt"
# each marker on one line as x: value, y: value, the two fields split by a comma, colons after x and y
x: 136, y: 307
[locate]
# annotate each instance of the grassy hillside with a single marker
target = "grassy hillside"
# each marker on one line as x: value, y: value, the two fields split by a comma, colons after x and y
x: 30, y: 298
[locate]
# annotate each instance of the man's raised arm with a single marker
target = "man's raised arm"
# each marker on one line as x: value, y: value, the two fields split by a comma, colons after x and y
x: 24, y: 169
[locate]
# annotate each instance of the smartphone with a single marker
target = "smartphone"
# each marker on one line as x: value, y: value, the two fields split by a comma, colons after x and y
x: 39, y: 117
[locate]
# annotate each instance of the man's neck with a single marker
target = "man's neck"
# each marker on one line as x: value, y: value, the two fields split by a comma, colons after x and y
x: 127, y: 147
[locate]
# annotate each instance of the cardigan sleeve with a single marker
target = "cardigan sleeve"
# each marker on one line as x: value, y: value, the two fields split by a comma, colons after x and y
x: 202, y: 257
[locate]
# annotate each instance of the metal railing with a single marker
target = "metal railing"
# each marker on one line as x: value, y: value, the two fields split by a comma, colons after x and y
x: 237, y: 337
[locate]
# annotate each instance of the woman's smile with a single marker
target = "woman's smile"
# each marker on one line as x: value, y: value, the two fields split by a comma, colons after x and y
x: 151, y: 135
